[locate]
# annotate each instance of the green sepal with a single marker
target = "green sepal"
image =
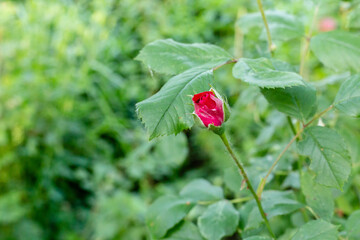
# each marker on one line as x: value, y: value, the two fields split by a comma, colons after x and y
x: 226, y: 106
x: 219, y: 130
x: 226, y: 111
x: 198, y: 121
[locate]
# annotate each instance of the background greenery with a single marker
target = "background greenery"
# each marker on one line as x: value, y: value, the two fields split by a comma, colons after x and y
x: 76, y: 163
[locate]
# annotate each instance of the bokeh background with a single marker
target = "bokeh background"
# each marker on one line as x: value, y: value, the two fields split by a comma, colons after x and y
x: 75, y: 161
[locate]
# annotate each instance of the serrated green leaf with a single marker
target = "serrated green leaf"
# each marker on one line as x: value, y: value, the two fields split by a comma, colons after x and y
x: 329, y: 156
x: 202, y: 190
x: 275, y: 203
x: 185, y: 231
x: 338, y: 50
x: 298, y: 101
x: 318, y: 197
x: 165, y: 212
x: 220, y: 219
x: 171, y: 57
x: 283, y: 26
x: 169, y: 110
x: 317, y: 230
x: 348, y: 98
x: 262, y: 73
x: 352, y: 226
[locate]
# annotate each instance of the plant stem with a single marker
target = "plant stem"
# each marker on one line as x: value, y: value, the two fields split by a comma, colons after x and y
x: 307, y: 42
x: 271, y: 48
x: 235, y: 200
x: 239, y: 200
x: 318, y: 115
x: 219, y: 66
x: 291, y: 125
x: 263, y: 181
x: 244, y: 175
x: 312, y: 212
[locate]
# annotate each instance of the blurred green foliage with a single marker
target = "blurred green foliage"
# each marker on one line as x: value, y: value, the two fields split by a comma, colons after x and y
x: 75, y: 162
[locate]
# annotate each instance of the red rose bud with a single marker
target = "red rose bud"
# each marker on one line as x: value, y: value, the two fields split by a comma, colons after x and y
x: 209, y: 108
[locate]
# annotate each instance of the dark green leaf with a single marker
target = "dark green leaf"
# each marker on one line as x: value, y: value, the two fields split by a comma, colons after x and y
x: 348, y: 98
x: 185, y: 231
x: 329, y: 156
x: 318, y: 197
x: 262, y: 72
x: 169, y: 110
x: 258, y: 238
x: 338, y: 50
x: 292, y: 180
x: 219, y: 220
x: 202, y: 190
x: 164, y: 213
x: 298, y: 102
x: 317, y: 230
x: 171, y: 57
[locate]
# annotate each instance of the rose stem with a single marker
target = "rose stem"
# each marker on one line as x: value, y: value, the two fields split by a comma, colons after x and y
x: 250, y: 187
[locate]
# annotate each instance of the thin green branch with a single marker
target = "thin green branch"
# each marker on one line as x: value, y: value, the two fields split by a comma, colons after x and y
x: 219, y: 66
x: 240, y: 200
x: 307, y: 42
x: 271, y: 46
x: 312, y: 212
x: 235, y: 200
x: 318, y: 115
x: 250, y: 187
x: 263, y: 181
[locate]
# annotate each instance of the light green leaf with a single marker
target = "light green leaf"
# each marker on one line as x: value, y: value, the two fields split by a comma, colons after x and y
x: 352, y: 226
x: 202, y: 190
x: 348, y: 98
x: 171, y: 57
x: 275, y: 203
x: 329, y: 156
x: 169, y: 110
x: 318, y: 197
x: 317, y: 230
x: 298, y: 101
x: 283, y: 26
x: 11, y: 207
x: 338, y: 50
x: 219, y: 220
x: 263, y: 73
x: 165, y: 212
x: 185, y: 231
